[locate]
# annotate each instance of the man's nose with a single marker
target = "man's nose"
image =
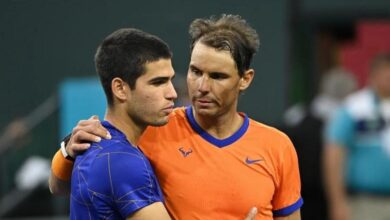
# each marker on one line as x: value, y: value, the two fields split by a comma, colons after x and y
x: 204, y: 84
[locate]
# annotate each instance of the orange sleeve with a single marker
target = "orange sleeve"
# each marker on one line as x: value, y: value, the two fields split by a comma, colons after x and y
x: 61, y: 167
x: 287, y: 197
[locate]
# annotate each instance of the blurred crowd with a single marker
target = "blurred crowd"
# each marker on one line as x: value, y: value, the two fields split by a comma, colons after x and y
x: 342, y: 140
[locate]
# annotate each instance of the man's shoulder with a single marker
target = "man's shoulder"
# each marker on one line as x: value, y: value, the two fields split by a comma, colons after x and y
x: 113, y: 144
x: 276, y: 141
x: 109, y: 155
x: 176, y: 120
x: 361, y: 104
x: 270, y: 131
x: 117, y: 148
x: 106, y: 162
x: 115, y: 174
x: 178, y: 113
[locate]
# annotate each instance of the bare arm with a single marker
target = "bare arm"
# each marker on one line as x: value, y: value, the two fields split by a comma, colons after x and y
x: 334, y: 157
x: 58, y: 186
x: 156, y: 210
x: 86, y: 131
x: 61, y: 169
x: 293, y: 216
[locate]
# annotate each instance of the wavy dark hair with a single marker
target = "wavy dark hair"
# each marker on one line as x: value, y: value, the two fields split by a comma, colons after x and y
x: 230, y: 33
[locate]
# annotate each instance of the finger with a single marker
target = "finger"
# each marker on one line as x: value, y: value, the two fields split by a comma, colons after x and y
x: 82, y: 136
x: 252, y: 214
x: 82, y: 124
x: 98, y: 129
x: 74, y: 149
x: 94, y: 128
x: 95, y: 117
x: 92, y: 119
x: 87, y: 122
x: 80, y: 147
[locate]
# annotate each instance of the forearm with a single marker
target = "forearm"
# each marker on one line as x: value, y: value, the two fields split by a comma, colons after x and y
x: 85, y: 132
x: 333, y: 173
x: 61, y: 171
x: 57, y: 186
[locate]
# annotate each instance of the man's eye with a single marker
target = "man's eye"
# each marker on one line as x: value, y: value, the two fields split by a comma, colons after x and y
x: 196, y: 72
x: 217, y: 76
x: 158, y: 82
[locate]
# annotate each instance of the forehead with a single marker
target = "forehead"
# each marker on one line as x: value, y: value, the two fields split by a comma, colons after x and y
x: 209, y: 59
x: 159, y: 68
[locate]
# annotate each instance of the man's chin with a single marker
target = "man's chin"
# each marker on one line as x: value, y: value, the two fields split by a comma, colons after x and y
x: 159, y: 123
x: 204, y: 111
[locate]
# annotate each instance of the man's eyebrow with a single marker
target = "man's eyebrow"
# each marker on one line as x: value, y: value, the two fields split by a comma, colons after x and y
x: 160, y: 78
x: 192, y: 66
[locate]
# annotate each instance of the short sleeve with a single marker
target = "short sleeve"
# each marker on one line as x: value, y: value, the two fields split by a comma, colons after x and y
x: 287, y: 198
x: 339, y: 130
x: 123, y: 180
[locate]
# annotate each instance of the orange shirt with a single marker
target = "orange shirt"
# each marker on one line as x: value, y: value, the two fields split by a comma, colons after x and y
x: 207, y: 178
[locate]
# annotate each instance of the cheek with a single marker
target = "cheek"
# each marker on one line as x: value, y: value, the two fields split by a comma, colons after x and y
x: 231, y: 93
x: 152, y: 100
x: 228, y: 90
x: 146, y: 101
x: 191, y: 85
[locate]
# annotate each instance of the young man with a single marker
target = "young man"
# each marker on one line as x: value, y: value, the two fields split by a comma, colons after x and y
x: 135, y: 71
x: 212, y: 161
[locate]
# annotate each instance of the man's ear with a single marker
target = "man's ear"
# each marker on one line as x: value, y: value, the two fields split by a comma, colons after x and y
x: 119, y: 89
x: 246, y: 79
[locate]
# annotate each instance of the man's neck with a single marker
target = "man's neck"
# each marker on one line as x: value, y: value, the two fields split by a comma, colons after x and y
x: 222, y: 126
x: 120, y: 120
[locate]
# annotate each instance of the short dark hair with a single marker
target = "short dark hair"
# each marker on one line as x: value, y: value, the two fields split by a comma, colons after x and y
x: 379, y: 60
x: 124, y: 54
x: 230, y: 33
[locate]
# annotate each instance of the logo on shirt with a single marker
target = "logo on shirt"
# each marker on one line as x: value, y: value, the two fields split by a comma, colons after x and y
x: 184, y: 152
x: 249, y: 161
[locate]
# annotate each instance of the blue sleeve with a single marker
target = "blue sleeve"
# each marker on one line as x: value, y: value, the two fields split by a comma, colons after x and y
x: 289, y: 209
x: 340, y: 129
x: 123, y: 181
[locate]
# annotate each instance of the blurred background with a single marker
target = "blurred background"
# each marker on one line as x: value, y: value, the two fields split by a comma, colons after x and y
x: 46, y: 63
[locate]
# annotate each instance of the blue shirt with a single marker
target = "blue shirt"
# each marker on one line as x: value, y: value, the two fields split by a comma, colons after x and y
x: 359, y: 127
x: 112, y: 180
